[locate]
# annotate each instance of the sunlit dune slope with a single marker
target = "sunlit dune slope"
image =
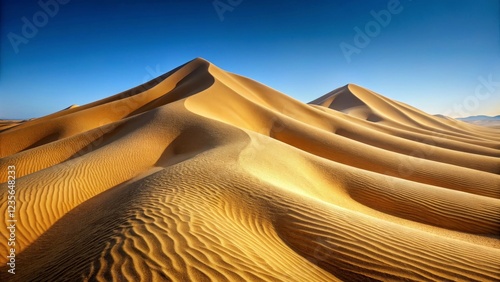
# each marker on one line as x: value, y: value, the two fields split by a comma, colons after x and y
x: 204, y: 175
x: 6, y: 124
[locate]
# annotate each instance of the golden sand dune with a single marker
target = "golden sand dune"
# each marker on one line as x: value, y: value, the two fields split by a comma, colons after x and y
x: 6, y: 124
x: 204, y: 175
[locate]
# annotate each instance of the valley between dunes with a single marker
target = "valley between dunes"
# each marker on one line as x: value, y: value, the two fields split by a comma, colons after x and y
x: 205, y: 175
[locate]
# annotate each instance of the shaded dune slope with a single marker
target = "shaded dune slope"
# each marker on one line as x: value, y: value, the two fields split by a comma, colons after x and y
x: 205, y: 175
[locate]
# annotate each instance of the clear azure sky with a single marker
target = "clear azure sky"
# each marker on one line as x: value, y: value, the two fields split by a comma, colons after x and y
x: 440, y: 56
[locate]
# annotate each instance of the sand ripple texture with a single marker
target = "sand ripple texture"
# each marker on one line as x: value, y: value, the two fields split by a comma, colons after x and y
x: 205, y: 175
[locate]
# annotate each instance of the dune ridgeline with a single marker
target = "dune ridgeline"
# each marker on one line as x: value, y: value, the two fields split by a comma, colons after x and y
x: 205, y: 175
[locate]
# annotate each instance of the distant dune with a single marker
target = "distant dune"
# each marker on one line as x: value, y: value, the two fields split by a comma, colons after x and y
x: 205, y: 175
x: 8, y: 123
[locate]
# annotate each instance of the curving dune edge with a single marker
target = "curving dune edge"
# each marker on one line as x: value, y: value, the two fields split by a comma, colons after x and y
x: 205, y: 175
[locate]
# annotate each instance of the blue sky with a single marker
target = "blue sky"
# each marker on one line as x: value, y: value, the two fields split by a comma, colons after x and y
x: 439, y: 56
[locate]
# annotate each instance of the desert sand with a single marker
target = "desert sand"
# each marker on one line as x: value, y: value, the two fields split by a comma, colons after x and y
x: 205, y: 175
x: 6, y: 124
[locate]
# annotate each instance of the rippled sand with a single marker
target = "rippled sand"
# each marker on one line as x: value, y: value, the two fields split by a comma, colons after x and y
x: 204, y: 175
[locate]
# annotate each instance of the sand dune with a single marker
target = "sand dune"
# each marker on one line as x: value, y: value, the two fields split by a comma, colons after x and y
x: 6, y: 124
x: 204, y: 175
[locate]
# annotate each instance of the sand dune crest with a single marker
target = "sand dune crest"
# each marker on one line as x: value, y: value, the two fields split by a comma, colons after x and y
x: 205, y: 175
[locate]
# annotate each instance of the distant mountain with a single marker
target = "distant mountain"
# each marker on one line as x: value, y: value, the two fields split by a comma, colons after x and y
x: 205, y: 175
x: 480, y: 117
x: 483, y: 120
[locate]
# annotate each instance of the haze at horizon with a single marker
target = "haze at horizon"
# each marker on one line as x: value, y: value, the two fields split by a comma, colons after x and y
x: 433, y: 56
